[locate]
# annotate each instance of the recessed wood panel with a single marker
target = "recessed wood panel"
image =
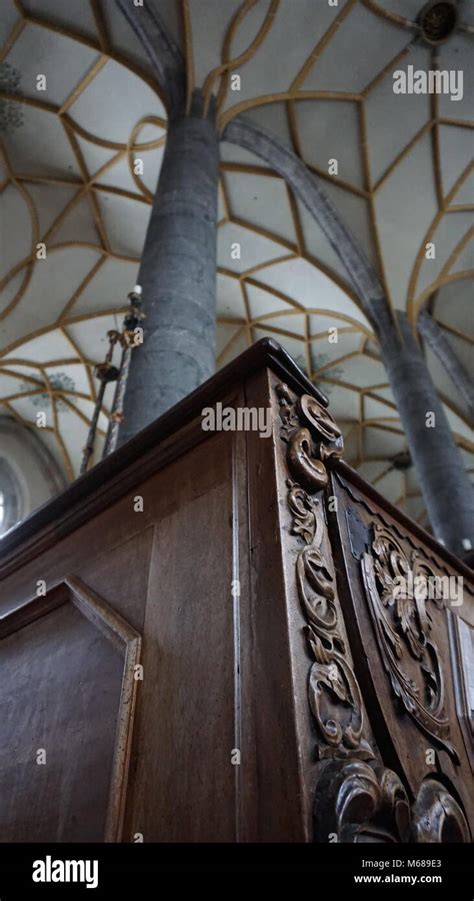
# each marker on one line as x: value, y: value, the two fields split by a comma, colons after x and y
x: 66, y: 713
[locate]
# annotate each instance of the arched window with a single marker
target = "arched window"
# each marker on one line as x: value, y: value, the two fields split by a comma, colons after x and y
x: 11, y: 497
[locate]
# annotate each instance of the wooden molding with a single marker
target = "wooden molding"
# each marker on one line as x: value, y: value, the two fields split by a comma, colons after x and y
x: 127, y: 641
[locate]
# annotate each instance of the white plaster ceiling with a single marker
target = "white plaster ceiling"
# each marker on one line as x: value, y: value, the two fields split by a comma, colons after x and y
x: 318, y: 76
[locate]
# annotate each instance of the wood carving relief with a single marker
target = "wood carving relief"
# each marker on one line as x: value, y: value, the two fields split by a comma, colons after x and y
x: 313, y: 441
x: 437, y: 817
x: 362, y: 803
x: 401, y: 593
x: 357, y: 798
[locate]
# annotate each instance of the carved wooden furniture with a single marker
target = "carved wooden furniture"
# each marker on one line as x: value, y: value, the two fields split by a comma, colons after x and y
x: 205, y: 639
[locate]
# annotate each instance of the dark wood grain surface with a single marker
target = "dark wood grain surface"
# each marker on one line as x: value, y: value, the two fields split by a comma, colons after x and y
x: 264, y: 697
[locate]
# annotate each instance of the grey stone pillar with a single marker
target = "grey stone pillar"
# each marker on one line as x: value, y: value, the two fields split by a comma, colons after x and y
x: 439, y: 343
x: 444, y: 481
x: 178, y: 274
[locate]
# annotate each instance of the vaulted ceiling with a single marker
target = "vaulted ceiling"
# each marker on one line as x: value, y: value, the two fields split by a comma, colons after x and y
x: 320, y: 78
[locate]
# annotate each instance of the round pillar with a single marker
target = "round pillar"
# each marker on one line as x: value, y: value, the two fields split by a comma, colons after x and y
x: 178, y: 274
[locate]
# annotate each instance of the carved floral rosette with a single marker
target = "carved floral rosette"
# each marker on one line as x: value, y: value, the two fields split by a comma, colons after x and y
x: 314, y: 441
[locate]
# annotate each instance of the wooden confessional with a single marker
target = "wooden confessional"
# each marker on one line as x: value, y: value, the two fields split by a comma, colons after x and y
x: 204, y: 639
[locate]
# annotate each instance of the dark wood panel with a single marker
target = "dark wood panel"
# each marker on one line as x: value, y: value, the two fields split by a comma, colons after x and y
x: 251, y: 645
x: 60, y: 691
x: 184, y: 787
x: 121, y: 572
x: 280, y: 813
x: 67, y: 701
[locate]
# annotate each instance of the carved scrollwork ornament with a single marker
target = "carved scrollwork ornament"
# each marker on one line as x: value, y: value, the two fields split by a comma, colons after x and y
x: 313, y: 437
x: 303, y: 507
x: 331, y: 442
x: 400, y: 593
x: 437, y: 816
x: 288, y: 414
x: 307, y: 470
x: 358, y: 802
x: 313, y: 440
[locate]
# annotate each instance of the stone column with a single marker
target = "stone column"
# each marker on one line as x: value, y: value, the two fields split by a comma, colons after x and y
x: 178, y: 273
x: 440, y: 345
x: 444, y: 481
